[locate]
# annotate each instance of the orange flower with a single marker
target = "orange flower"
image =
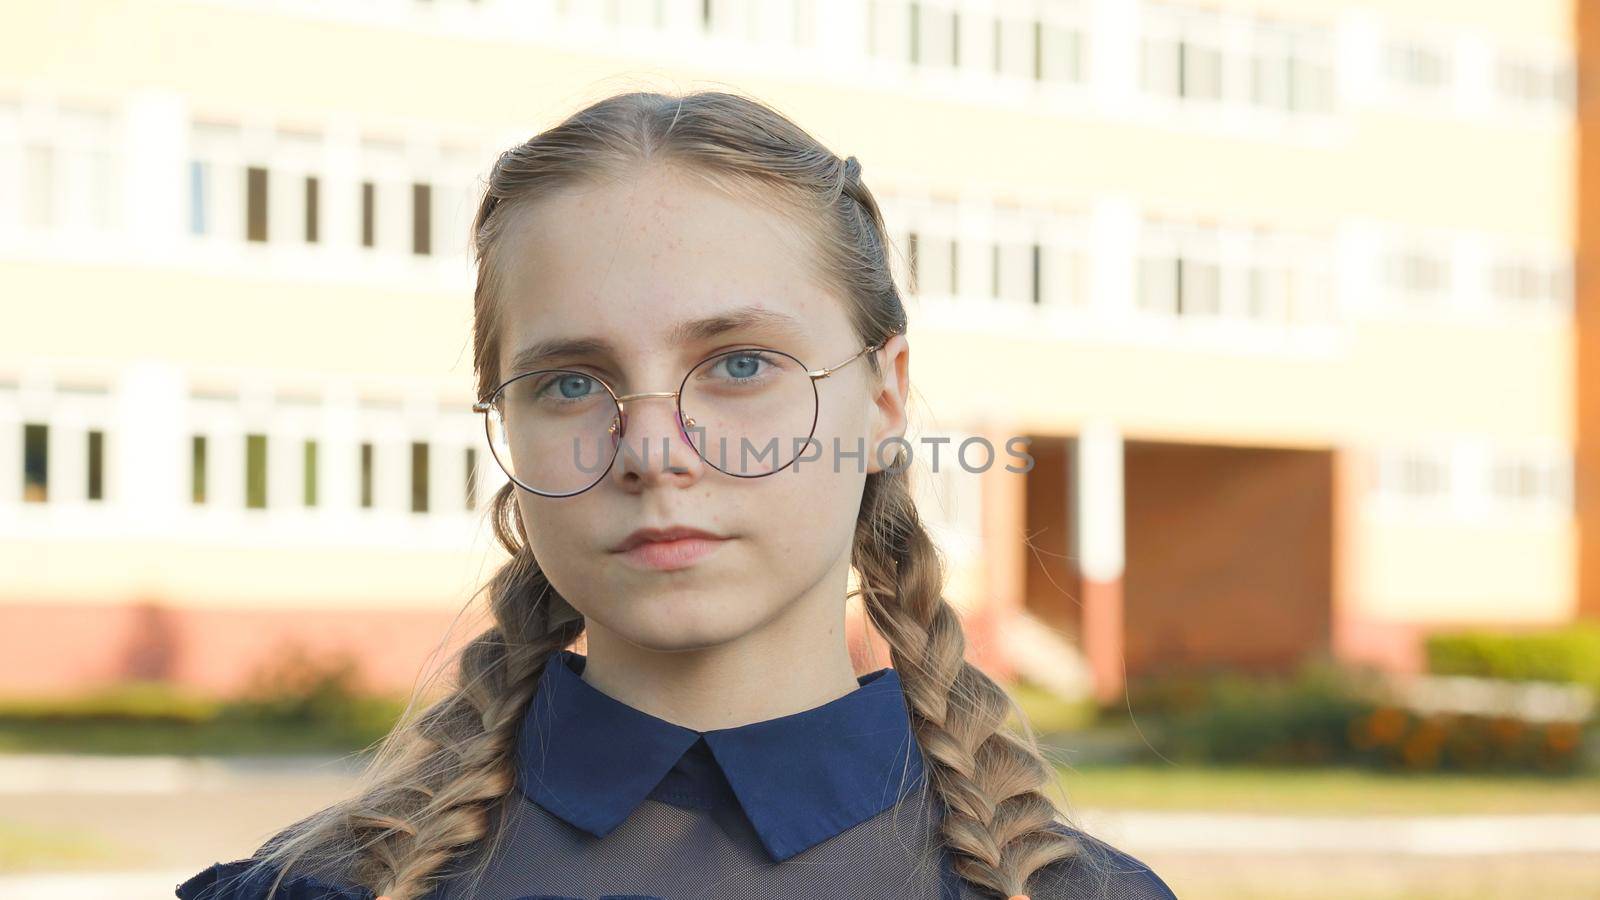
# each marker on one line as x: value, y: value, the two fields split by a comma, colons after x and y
x: 1561, y: 736
x: 1386, y: 725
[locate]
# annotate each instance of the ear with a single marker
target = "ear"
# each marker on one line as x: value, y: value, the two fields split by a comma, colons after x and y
x: 889, y: 402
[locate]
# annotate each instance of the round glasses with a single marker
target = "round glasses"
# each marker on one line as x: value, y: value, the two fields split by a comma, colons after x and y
x: 747, y: 412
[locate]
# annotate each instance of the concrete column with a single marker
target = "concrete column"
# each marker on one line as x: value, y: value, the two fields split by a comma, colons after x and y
x: 1113, y: 251
x: 156, y: 160
x: 1097, y: 487
x: 1114, y: 64
x: 147, y: 450
x: 1005, y: 553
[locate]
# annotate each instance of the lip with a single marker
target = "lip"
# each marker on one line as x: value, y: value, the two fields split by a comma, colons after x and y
x: 675, y: 547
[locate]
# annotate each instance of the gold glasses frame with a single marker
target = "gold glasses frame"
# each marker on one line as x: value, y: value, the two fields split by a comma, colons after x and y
x: 619, y: 422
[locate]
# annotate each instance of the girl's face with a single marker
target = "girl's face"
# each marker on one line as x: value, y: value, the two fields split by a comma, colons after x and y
x: 624, y: 266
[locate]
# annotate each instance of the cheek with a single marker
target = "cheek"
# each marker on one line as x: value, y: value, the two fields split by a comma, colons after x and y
x: 810, y: 511
x: 552, y: 532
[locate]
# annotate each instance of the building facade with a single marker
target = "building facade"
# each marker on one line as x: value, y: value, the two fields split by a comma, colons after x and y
x: 1281, y: 296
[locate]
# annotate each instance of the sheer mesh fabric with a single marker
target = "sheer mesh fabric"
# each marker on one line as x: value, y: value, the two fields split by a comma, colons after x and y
x: 612, y: 802
x: 680, y: 848
x: 670, y: 849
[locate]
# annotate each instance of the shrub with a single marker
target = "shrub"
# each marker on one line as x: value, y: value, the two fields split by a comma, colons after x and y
x: 142, y: 701
x: 297, y: 689
x: 1233, y: 718
x: 296, y: 702
x: 1048, y: 712
x: 1323, y: 714
x: 1567, y: 654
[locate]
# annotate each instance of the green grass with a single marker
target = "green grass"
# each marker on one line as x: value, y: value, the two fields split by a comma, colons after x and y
x: 24, y: 847
x: 1048, y: 712
x: 1324, y: 791
x: 159, y: 737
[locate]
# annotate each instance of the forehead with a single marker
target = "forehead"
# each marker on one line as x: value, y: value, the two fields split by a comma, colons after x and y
x: 627, y: 260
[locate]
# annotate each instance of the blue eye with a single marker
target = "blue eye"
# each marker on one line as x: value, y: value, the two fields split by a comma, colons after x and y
x: 574, y: 386
x: 744, y: 365
x: 566, y: 387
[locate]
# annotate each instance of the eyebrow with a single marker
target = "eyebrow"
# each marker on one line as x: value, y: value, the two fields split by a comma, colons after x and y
x: 541, y: 353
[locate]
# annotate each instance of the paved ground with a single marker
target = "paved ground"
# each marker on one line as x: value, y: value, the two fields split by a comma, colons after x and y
x: 158, y: 820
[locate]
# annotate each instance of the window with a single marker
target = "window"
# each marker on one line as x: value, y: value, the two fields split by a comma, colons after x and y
x: 1268, y: 294
x: 1014, y: 268
x: 255, y: 204
x: 69, y: 174
x: 1194, y: 53
x: 39, y: 185
x: 1291, y: 70
x: 255, y: 469
x: 35, y: 463
x: 1531, y: 284
x: 197, y: 468
x: 1199, y: 70
x: 911, y: 262
x: 419, y: 476
x: 310, y: 469
x: 1180, y: 271
x: 1416, y: 65
x: 96, y: 475
x: 1016, y: 49
x: 1158, y: 284
x: 1528, y: 481
x: 1181, y: 53
x: 1059, y: 272
x: 199, y: 173
x: 421, y: 220
x: 1418, y: 274
x: 1422, y: 476
x: 311, y: 209
x: 1534, y: 83
x: 1199, y: 288
x: 1239, y: 272
x: 217, y: 180
x: 935, y: 34
x: 1058, y: 51
x: 1413, y: 474
x: 366, y: 475
x: 936, y: 269
x: 369, y: 214
x: 1033, y: 262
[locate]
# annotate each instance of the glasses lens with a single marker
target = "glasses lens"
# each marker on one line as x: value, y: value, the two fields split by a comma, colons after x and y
x: 551, y: 430
x: 749, y: 412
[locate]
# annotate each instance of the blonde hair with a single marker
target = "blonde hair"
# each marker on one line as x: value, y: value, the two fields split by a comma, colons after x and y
x: 433, y: 796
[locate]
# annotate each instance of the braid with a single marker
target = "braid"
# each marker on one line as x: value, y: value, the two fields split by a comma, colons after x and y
x: 472, y: 734
x: 992, y: 782
x: 442, y: 777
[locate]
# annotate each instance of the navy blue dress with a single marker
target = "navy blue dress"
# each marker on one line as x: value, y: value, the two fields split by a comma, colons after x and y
x: 616, y: 804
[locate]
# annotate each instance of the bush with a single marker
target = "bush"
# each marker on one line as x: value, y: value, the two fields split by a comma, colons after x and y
x: 298, y: 690
x: 295, y: 703
x: 1047, y: 712
x: 1568, y: 654
x: 1232, y: 718
x: 145, y: 701
x: 1324, y: 714
x: 1397, y: 738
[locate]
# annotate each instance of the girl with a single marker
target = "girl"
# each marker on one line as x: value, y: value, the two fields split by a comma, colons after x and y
x: 686, y: 333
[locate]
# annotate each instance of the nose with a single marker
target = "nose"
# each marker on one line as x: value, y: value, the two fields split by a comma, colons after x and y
x: 653, y: 443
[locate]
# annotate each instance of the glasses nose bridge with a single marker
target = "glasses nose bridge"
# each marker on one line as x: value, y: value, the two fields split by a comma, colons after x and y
x: 643, y: 395
x: 620, y: 426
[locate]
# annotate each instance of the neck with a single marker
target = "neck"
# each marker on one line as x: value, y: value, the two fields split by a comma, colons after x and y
x: 797, y: 661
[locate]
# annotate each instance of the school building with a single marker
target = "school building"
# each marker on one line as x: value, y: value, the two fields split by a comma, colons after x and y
x: 1281, y: 292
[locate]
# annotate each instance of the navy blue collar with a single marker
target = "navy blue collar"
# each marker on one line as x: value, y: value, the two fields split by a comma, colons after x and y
x: 590, y: 759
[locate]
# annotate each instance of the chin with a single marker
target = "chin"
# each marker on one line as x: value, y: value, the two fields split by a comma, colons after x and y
x: 684, y: 621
